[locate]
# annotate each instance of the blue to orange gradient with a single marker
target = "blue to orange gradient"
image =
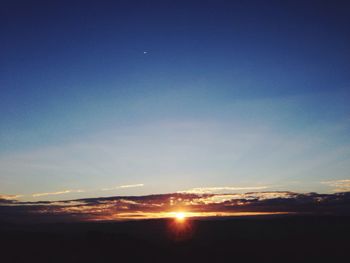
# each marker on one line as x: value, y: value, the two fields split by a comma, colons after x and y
x: 106, y: 98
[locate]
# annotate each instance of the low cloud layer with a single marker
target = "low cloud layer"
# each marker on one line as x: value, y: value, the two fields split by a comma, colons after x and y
x: 162, y: 206
x: 339, y: 185
x: 9, y: 197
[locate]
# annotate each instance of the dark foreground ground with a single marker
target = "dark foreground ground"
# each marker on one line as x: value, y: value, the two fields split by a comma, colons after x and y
x: 260, y: 239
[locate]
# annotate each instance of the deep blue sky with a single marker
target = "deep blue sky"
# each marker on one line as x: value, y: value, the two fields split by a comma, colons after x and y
x: 228, y: 93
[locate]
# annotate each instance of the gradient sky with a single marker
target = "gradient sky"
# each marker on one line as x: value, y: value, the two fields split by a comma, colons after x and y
x: 104, y: 98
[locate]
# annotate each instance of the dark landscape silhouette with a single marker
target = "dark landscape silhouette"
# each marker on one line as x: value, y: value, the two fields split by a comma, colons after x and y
x: 316, y: 227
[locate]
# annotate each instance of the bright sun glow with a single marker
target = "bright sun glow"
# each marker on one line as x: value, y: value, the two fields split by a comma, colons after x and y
x: 180, y: 216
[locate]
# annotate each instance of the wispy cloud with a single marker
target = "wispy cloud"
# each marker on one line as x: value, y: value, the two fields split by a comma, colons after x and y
x: 10, y: 197
x: 131, y: 185
x: 339, y: 185
x: 209, y: 190
x: 122, y: 186
x: 68, y: 191
x: 57, y: 193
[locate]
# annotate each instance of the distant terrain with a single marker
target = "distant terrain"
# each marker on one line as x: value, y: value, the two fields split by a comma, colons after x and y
x: 253, y: 239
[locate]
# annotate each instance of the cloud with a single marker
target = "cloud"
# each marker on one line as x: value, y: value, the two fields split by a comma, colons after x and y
x: 122, y: 186
x: 241, y: 198
x: 206, y: 190
x: 57, y: 193
x: 339, y: 185
x: 131, y: 185
x: 69, y: 191
x: 163, y: 205
x: 63, y: 192
x: 9, y: 197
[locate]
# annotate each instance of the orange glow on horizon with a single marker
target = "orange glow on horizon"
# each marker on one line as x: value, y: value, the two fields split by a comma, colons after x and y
x: 180, y: 216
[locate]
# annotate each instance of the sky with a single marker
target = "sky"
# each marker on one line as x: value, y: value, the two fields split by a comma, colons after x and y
x: 104, y: 98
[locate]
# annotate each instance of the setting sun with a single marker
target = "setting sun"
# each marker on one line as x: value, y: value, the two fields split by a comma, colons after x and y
x: 180, y: 216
